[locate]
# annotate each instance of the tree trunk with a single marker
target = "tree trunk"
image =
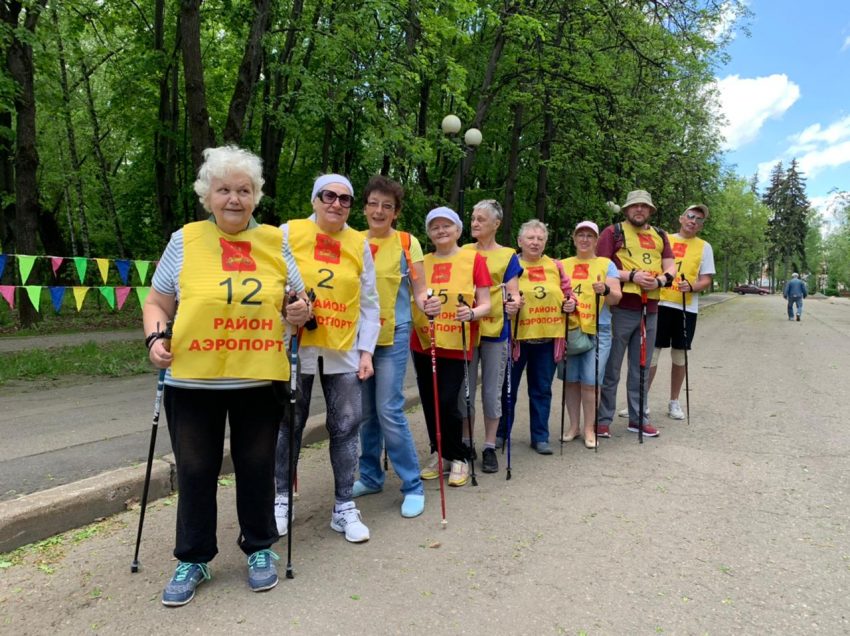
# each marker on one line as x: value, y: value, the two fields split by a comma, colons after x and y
x: 103, y: 168
x: 7, y: 186
x: 511, y: 178
x: 201, y: 135
x: 21, y: 69
x: 165, y: 137
x: 248, y: 74
x: 545, y: 156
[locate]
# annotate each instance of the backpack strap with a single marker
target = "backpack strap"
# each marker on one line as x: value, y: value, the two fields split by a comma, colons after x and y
x: 404, y: 238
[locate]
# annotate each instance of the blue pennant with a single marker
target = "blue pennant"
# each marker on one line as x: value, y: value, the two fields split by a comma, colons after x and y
x: 123, y: 266
x: 56, y: 296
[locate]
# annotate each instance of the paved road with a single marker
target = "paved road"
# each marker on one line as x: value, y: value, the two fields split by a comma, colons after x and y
x: 736, y: 524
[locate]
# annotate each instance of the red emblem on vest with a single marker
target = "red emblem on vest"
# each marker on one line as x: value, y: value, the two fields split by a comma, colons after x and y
x: 646, y: 241
x: 374, y: 249
x: 536, y: 274
x: 581, y: 271
x: 236, y: 256
x: 327, y: 249
x: 442, y: 273
x: 679, y: 249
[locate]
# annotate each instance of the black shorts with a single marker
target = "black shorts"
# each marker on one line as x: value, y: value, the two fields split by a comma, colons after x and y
x: 669, y: 330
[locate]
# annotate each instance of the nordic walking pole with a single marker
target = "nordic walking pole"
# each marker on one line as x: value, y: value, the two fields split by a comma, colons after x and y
x: 596, y: 383
x: 511, y: 400
x: 431, y: 332
x: 461, y: 301
x: 564, y: 383
x: 293, y: 391
x: 157, y: 404
x: 642, y: 362
x: 685, y: 336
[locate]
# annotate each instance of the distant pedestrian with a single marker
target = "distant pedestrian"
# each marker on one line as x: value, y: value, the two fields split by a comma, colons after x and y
x: 795, y: 291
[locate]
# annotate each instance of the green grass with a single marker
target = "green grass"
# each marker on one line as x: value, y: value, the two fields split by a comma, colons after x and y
x: 114, y: 359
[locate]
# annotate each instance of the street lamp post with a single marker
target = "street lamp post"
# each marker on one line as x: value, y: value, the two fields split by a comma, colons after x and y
x: 472, y: 138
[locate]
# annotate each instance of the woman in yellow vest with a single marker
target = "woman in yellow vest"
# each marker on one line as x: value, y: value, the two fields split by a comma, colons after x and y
x: 591, y: 276
x: 546, y: 297
x: 400, y: 280
x: 504, y: 268
x: 228, y: 274
x: 336, y: 263
x: 449, y: 272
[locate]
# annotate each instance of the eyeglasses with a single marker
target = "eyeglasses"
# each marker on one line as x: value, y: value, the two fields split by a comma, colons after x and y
x: 386, y: 207
x: 699, y: 220
x: 329, y: 196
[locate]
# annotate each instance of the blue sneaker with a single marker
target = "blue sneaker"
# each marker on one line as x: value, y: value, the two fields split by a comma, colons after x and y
x: 262, y: 574
x: 359, y: 489
x: 181, y: 588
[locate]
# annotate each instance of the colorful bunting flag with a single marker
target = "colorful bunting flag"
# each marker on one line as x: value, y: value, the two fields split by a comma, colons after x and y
x: 57, y: 294
x: 56, y: 262
x: 25, y: 264
x: 142, y: 268
x: 80, y: 295
x: 2, y: 264
x: 34, y: 293
x: 142, y: 293
x: 82, y: 264
x: 121, y: 294
x: 8, y: 292
x: 109, y: 294
x: 103, y: 266
x: 123, y: 266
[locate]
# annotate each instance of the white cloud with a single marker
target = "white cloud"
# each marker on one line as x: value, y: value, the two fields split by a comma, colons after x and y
x: 727, y: 20
x: 816, y: 148
x: 846, y: 44
x: 747, y: 103
x: 831, y: 156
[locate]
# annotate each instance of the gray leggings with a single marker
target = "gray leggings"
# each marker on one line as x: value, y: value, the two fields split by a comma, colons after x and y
x: 493, y: 357
x: 344, y: 407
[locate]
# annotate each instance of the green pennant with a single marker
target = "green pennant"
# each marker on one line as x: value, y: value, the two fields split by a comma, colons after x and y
x: 142, y: 268
x: 81, y: 263
x: 34, y: 293
x: 109, y: 294
x: 142, y: 293
x: 25, y: 264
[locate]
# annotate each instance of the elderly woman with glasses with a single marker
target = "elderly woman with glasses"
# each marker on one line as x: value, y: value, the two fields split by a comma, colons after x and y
x: 452, y: 274
x: 336, y: 262
x: 227, y: 275
x: 400, y: 279
x: 596, y: 286
x: 539, y: 334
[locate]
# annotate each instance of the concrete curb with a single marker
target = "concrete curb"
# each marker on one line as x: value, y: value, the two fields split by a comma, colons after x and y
x: 43, y: 514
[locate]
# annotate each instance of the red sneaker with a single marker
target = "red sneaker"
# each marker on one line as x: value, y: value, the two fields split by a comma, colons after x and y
x: 648, y: 429
x: 603, y: 430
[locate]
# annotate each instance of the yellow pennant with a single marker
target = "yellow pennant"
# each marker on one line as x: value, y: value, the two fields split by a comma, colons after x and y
x: 80, y: 295
x: 103, y: 266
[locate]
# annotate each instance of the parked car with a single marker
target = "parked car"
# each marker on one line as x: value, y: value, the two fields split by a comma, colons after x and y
x: 750, y: 289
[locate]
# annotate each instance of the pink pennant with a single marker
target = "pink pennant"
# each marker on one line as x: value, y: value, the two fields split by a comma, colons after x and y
x: 121, y: 294
x: 8, y: 292
x: 56, y: 262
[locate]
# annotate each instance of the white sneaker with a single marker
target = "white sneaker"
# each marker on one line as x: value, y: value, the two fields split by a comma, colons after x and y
x: 674, y: 411
x: 625, y: 412
x: 346, y: 518
x: 281, y: 507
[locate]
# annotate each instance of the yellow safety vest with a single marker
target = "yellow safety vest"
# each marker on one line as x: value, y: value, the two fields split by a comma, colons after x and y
x: 641, y: 251
x: 583, y: 273
x: 387, y: 253
x: 229, y: 324
x: 541, y: 315
x: 497, y: 263
x: 447, y: 277
x: 330, y: 264
x: 688, y: 256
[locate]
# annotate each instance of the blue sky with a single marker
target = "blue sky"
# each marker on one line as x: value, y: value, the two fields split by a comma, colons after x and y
x: 786, y: 93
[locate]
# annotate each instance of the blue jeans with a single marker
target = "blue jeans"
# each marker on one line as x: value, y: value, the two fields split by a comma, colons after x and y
x: 540, y: 360
x: 384, y: 421
x: 798, y: 301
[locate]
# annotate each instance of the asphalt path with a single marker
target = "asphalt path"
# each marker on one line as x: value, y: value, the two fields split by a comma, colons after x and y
x: 734, y: 524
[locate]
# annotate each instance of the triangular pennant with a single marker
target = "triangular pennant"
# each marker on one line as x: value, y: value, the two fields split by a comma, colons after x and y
x: 123, y: 266
x: 103, y: 266
x: 2, y: 264
x: 57, y: 294
x: 34, y: 293
x: 121, y: 294
x: 25, y: 264
x: 8, y: 292
x: 55, y: 263
x: 81, y: 263
x: 142, y: 293
x: 142, y: 268
x: 80, y: 295
x: 109, y: 294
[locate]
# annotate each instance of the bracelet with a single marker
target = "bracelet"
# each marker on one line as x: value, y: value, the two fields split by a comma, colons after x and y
x: 607, y: 290
x: 632, y: 276
x: 659, y: 282
x: 669, y: 278
x: 153, y: 337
